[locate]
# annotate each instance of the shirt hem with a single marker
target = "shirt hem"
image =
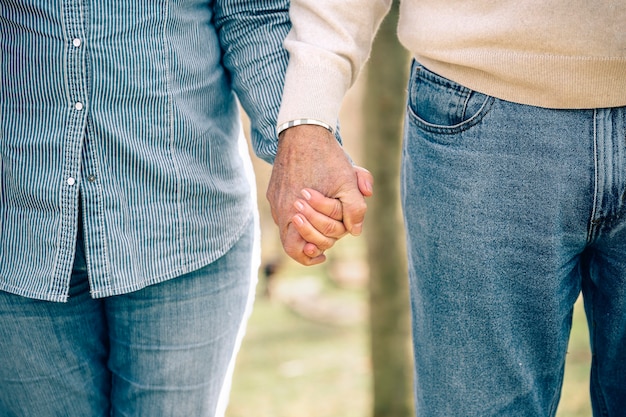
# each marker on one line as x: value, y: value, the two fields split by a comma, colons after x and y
x: 110, y: 292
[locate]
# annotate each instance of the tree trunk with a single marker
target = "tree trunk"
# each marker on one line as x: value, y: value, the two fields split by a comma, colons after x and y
x: 384, y: 103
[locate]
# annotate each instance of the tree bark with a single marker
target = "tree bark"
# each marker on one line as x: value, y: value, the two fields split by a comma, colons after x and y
x: 384, y: 103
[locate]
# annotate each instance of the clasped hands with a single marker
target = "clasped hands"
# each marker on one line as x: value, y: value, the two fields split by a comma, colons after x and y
x: 315, y: 193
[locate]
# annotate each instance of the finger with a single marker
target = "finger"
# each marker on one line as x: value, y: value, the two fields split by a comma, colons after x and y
x: 330, y: 207
x: 311, y: 250
x: 365, y: 180
x: 311, y: 234
x: 294, y: 246
x: 325, y: 225
x: 354, y: 208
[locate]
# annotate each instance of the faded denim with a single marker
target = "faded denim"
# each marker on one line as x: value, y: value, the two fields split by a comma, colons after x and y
x: 165, y: 350
x: 511, y: 211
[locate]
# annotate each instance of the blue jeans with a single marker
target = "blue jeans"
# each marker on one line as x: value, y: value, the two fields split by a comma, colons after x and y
x: 166, y: 350
x: 511, y: 211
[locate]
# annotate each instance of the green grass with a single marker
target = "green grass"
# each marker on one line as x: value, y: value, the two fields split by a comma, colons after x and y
x: 293, y: 367
x: 290, y: 366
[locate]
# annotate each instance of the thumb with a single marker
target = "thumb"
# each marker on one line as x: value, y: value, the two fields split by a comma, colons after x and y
x: 365, y: 180
x: 354, y: 208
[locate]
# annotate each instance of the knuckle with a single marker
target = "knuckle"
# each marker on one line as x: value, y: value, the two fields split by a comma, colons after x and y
x: 336, y: 211
x: 330, y: 229
x: 326, y: 244
x: 360, y: 208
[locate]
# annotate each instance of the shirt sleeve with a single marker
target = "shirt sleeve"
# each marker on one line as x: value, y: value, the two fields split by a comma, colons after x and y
x: 328, y: 45
x: 251, y: 34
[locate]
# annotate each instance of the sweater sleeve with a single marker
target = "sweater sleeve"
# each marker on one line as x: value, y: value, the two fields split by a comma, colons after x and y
x: 328, y: 44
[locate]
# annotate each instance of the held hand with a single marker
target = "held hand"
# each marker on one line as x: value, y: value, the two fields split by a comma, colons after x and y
x: 319, y: 216
x: 318, y: 220
x: 310, y: 157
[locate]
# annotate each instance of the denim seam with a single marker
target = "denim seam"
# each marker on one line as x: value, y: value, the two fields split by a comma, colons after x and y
x: 465, y: 103
x: 593, y: 221
x: 458, y: 128
x: 449, y: 84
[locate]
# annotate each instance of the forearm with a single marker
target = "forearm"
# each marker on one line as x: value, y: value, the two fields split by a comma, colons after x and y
x: 328, y: 45
x: 251, y: 34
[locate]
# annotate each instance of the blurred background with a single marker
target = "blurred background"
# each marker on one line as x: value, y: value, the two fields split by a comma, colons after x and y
x: 334, y: 340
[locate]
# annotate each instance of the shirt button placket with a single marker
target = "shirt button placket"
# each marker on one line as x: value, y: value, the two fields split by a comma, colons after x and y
x: 74, y: 65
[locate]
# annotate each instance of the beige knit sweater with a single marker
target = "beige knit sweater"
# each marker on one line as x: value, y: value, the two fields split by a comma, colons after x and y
x: 548, y: 53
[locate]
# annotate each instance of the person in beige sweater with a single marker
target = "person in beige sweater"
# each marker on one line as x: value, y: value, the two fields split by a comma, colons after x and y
x: 513, y: 186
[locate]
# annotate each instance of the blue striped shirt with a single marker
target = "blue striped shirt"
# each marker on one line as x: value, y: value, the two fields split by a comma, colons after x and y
x: 129, y: 109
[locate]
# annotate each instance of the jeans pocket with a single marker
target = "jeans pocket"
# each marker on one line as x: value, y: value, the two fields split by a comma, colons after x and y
x: 439, y: 105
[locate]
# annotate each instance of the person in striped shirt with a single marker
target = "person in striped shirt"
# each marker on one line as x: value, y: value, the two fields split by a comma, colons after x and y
x: 128, y: 254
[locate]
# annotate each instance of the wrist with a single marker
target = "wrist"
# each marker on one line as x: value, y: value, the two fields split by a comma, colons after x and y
x: 298, y: 122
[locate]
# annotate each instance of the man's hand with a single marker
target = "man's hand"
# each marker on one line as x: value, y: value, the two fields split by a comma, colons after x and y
x: 309, y: 158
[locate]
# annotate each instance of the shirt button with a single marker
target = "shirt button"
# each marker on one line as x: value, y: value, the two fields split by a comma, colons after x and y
x: 76, y: 42
x: 78, y: 106
x: 71, y: 181
x: 91, y: 178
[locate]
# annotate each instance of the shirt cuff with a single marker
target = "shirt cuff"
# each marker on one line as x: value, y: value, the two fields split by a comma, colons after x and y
x: 298, y: 122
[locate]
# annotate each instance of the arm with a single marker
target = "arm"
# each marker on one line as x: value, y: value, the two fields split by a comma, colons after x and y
x: 329, y: 43
x: 251, y: 34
